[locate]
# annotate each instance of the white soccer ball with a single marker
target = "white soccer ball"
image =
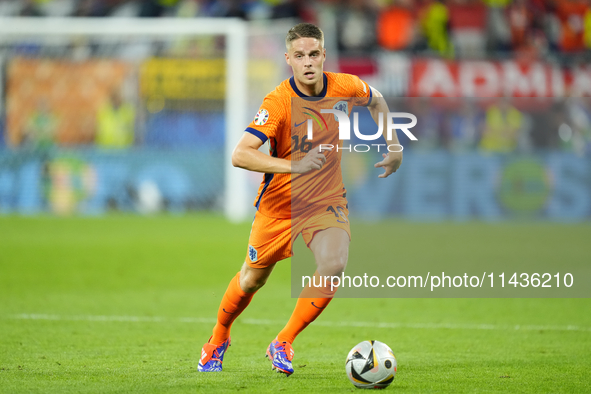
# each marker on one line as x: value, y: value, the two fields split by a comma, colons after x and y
x: 371, y: 365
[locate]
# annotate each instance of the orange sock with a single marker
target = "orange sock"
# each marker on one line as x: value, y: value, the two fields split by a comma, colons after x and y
x: 306, y: 311
x: 235, y: 300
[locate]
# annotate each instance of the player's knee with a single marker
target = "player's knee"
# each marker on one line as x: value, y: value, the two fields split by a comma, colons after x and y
x: 251, y: 283
x: 332, y: 263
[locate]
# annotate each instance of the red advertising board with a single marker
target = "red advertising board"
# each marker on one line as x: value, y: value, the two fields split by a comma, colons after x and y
x: 440, y: 78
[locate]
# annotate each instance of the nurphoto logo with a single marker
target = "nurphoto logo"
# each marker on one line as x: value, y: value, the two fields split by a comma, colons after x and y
x: 345, y: 130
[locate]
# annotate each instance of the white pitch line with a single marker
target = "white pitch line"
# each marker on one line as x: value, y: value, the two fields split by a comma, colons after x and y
x: 259, y: 322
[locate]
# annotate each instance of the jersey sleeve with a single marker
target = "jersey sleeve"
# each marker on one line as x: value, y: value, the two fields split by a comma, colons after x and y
x: 362, y: 90
x: 268, y: 120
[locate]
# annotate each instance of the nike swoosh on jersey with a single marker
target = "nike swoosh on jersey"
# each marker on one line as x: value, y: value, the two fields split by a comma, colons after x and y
x: 317, y: 306
x: 299, y: 124
x: 224, y: 309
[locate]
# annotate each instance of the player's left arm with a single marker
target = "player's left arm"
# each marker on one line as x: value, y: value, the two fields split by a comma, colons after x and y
x: 392, y: 160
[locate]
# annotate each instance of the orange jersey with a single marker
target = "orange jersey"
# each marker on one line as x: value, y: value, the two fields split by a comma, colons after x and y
x: 282, y: 120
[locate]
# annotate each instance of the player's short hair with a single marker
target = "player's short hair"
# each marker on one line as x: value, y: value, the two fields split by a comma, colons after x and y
x: 302, y: 30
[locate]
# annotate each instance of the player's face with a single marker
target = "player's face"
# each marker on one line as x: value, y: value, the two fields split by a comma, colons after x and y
x: 306, y: 57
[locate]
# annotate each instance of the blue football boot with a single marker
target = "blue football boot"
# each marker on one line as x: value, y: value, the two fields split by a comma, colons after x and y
x: 212, y: 357
x: 281, y: 354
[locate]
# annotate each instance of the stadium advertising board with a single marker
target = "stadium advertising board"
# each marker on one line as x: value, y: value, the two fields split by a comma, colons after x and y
x: 441, y: 186
x: 92, y: 182
x: 183, y: 79
x: 439, y: 78
x: 436, y: 186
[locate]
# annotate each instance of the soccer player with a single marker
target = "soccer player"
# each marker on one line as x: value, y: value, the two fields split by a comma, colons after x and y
x: 295, y: 172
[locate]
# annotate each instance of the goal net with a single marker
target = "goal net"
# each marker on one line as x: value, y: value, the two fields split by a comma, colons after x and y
x: 100, y: 115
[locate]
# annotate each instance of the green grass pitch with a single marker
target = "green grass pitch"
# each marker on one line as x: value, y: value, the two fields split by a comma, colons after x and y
x: 123, y: 304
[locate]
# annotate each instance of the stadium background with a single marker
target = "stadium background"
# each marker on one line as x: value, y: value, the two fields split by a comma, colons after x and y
x: 114, y: 250
x: 87, y: 125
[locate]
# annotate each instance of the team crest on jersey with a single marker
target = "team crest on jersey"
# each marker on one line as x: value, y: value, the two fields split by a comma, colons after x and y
x: 261, y: 117
x: 252, y: 253
x: 341, y: 106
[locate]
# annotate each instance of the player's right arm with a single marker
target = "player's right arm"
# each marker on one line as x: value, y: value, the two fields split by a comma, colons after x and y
x: 248, y: 156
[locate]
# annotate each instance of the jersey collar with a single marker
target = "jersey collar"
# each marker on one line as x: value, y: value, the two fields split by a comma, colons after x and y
x: 299, y: 93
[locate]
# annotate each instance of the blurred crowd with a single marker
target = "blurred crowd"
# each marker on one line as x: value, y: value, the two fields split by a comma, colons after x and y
x: 502, y: 125
x: 529, y: 29
x: 447, y: 28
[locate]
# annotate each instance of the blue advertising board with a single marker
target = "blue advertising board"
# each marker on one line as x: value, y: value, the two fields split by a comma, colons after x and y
x: 429, y: 186
x: 441, y: 185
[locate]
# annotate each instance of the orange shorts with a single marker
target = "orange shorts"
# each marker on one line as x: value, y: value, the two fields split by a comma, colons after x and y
x: 271, y: 239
